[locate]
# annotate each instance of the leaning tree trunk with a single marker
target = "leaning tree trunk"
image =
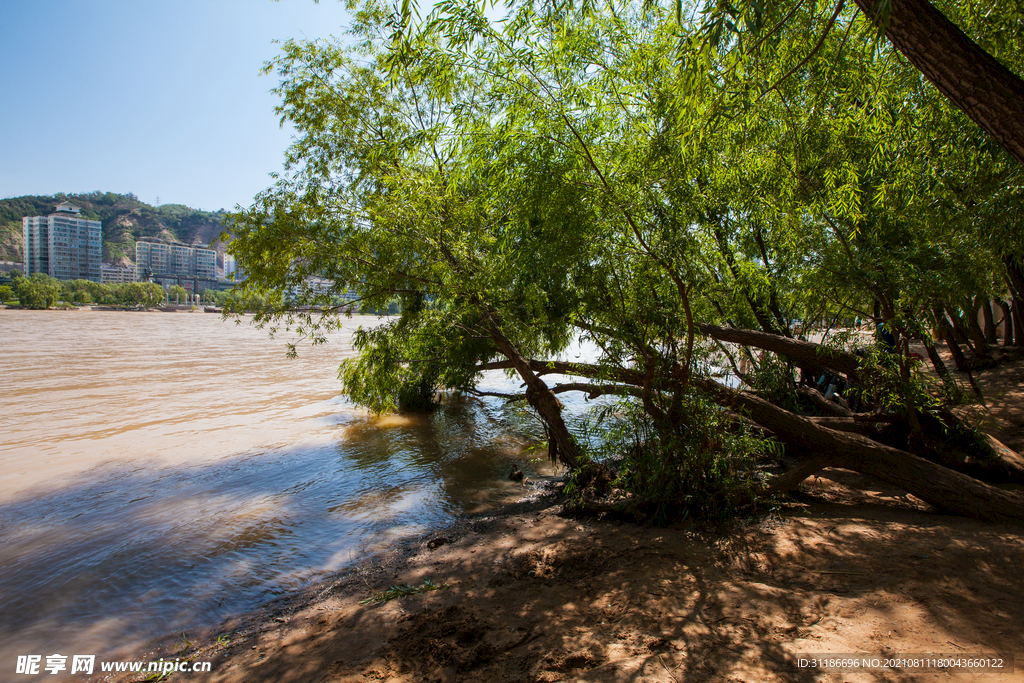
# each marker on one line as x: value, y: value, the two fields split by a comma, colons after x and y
x: 957, y: 323
x: 808, y: 352
x: 941, y: 487
x: 977, y: 334
x: 934, y: 357
x: 561, y: 444
x: 949, y: 336
x: 991, y: 337
x: 973, y: 80
x: 944, y: 488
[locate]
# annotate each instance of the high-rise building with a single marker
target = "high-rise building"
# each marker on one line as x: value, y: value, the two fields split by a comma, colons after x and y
x: 63, y: 245
x: 174, y: 263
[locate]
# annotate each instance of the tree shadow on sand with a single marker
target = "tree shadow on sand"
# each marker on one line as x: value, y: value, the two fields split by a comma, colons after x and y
x: 540, y: 597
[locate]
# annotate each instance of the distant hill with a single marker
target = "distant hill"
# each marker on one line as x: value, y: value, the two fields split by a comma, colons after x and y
x: 125, y: 219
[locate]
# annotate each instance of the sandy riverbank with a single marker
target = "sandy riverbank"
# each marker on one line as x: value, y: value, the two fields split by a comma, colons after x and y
x: 536, y: 596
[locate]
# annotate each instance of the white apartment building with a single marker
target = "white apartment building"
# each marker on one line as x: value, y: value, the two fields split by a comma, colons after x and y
x: 174, y: 263
x: 63, y: 245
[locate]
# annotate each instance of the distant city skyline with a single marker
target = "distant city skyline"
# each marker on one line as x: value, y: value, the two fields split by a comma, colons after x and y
x: 161, y: 100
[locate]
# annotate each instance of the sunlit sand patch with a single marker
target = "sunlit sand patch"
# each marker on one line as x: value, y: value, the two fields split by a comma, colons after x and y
x: 396, y: 421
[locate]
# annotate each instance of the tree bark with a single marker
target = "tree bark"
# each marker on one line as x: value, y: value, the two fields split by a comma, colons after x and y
x: 1015, y: 281
x: 948, y: 336
x: 973, y: 80
x: 934, y: 357
x: 1007, y: 323
x: 848, y: 424
x: 977, y: 334
x: 824, y: 438
x: 823, y: 404
x: 1014, y: 276
x: 991, y: 338
x: 957, y: 323
x: 1018, y: 321
x: 1009, y: 461
x: 794, y: 477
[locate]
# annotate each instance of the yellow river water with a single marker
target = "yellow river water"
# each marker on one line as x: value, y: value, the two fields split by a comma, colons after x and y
x: 163, y: 471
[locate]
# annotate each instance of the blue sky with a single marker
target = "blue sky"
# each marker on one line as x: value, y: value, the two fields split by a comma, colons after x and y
x: 163, y: 99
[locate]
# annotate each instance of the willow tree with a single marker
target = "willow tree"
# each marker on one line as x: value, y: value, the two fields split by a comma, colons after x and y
x: 518, y: 185
x: 391, y: 194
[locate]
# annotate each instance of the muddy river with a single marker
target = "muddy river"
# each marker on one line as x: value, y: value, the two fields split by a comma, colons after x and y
x: 161, y: 472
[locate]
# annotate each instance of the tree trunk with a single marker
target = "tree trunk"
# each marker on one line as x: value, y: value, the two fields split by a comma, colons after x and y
x: 973, y: 80
x: 1015, y: 281
x: 1007, y: 323
x: 990, y: 322
x: 933, y: 355
x: 977, y: 334
x: 959, y: 331
x: 539, y: 395
x: 935, y: 358
x: 848, y: 424
x: 823, y: 404
x: 1018, y: 321
x: 1007, y: 461
x: 943, y: 488
x: 949, y: 336
x: 1014, y: 276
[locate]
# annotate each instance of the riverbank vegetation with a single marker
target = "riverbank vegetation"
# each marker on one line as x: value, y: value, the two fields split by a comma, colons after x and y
x: 699, y: 193
x: 40, y: 291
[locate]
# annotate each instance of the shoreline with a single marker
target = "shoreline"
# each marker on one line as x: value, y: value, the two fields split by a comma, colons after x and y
x: 849, y: 565
x: 532, y: 595
x: 349, y: 583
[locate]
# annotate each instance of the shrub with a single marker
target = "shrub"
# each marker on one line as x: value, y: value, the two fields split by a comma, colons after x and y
x: 704, y: 468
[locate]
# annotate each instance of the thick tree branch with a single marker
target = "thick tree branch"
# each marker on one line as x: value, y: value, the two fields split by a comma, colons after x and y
x: 941, y: 487
x: 834, y: 359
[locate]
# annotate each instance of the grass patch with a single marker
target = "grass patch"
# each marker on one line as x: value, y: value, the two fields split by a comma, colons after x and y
x: 402, y: 591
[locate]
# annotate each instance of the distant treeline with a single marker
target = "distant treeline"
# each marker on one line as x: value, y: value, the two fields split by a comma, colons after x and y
x: 40, y: 291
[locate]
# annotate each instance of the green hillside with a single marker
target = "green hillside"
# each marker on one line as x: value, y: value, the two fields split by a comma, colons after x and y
x: 125, y: 219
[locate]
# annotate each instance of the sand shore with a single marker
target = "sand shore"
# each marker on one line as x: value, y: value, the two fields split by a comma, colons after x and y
x: 532, y: 595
